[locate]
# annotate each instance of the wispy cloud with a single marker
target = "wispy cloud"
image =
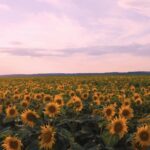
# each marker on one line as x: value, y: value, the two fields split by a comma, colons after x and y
x: 30, y: 52
x: 139, y: 6
x: 134, y: 49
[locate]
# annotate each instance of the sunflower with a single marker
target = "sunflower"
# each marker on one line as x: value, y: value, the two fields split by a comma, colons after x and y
x: 109, y: 112
x: 142, y: 136
x: 97, y: 102
x: 75, y: 103
x: 78, y: 106
x: 118, y: 126
x: 95, y: 97
x: 70, y: 102
x: 98, y: 94
x: 47, y: 98
x: 72, y: 93
x: 126, y: 102
x: 126, y: 111
x: 47, y: 137
x: 29, y: 117
x: 25, y: 103
x: 38, y: 96
x: 11, y: 112
x: 16, y: 97
x: 52, y: 109
x: 132, y: 88
x: 59, y: 100
x: 27, y: 98
x: 138, y: 101
x: 84, y: 96
x: 12, y: 143
x: 94, y: 89
x: 136, y: 95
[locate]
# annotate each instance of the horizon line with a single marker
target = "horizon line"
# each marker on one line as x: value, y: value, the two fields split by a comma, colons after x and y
x: 77, y: 73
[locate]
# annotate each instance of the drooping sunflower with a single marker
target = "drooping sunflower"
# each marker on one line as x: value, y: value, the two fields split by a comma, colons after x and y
x: 12, y: 143
x: 11, y: 112
x: 52, y: 109
x: 118, y: 126
x: 142, y: 136
x: 109, y: 112
x: 29, y: 117
x: 126, y: 111
x: 47, y: 137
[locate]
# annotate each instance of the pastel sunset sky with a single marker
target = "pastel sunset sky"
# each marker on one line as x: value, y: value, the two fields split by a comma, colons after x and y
x: 69, y: 36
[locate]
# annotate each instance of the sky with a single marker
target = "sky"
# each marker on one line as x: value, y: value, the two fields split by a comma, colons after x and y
x: 74, y: 36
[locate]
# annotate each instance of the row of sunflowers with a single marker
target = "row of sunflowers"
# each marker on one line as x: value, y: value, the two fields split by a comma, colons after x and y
x: 75, y: 113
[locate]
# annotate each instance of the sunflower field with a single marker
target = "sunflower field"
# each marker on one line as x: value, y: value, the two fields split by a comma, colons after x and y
x: 75, y: 113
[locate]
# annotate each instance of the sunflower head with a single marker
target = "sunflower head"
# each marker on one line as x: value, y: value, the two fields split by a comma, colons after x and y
x: 136, y: 95
x: 138, y: 101
x: 97, y: 102
x: 27, y: 98
x: 11, y: 112
x: 109, y: 112
x: 126, y: 111
x: 29, y: 117
x: 118, y: 126
x: 52, y: 109
x: 47, y: 98
x: 72, y: 93
x: 126, y: 102
x: 95, y: 97
x: 47, y: 137
x: 59, y: 100
x: 16, y: 97
x: 25, y: 103
x: 78, y: 106
x: 38, y: 96
x: 12, y: 143
x: 84, y: 96
x: 142, y: 136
